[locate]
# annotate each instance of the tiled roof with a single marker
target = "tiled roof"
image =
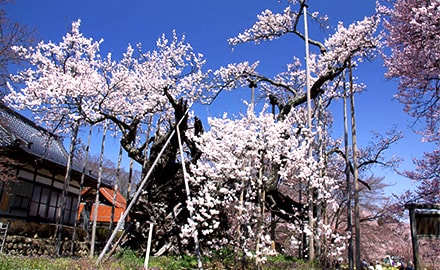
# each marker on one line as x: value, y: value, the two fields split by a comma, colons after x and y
x: 105, y: 207
x: 104, y: 213
x: 16, y: 130
x: 107, y: 193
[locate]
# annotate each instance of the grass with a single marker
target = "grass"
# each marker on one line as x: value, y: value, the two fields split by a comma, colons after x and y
x: 128, y: 259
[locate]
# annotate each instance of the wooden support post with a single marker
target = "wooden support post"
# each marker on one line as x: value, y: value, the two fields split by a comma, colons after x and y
x: 147, y: 254
x: 415, y: 244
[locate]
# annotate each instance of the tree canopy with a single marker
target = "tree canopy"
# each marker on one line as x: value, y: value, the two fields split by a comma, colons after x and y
x: 413, y: 35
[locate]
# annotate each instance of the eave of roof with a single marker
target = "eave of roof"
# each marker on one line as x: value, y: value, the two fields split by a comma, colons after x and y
x: 20, y: 132
x: 108, y: 194
x: 31, y: 138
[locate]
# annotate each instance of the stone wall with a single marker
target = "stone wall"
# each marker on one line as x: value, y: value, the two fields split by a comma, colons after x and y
x: 35, y: 246
x: 37, y: 239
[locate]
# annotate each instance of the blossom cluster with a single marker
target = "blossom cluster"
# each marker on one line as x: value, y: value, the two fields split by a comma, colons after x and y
x: 71, y: 82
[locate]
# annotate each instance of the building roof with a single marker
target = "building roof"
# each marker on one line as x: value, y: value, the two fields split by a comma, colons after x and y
x: 104, y: 213
x: 108, y: 193
x: 105, y: 206
x: 107, y: 196
x: 18, y: 131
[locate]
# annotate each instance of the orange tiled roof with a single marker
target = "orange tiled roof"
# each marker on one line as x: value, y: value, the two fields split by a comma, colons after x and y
x: 108, y: 193
x: 104, y: 213
x: 105, y: 210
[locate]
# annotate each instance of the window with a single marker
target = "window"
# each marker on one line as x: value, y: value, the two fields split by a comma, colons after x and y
x: 20, y: 203
x: 35, y: 201
x: 44, y: 203
x: 53, y: 205
x: 70, y: 210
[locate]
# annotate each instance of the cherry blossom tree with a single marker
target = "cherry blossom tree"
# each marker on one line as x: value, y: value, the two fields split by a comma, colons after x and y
x: 413, y: 36
x: 246, y: 173
x: 239, y: 156
x: 286, y: 91
x: 143, y: 96
x: 56, y: 100
x: 63, y: 82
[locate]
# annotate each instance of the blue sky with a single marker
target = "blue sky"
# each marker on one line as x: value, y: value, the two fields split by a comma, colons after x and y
x: 207, y: 25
